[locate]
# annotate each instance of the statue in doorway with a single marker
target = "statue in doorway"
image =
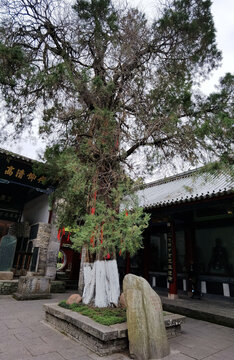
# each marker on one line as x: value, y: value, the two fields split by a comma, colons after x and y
x: 219, y: 258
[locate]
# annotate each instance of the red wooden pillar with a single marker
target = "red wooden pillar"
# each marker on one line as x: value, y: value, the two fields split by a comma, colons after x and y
x: 172, y: 273
x: 189, y: 246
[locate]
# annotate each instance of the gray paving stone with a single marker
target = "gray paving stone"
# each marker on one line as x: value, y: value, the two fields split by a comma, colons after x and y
x: 52, y: 337
x: 23, y: 333
x: 13, y: 323
x: 8, y: 341
x: 42, y: 329
x: 116, y: 356
x: 176, y: 355
x: 31, y: 342
x: 209, y: 342
x: 37, y: 349
x: 72, y: 353
x: 3, y: 328
x: 65, y: 343
x: 93, y: 356
x: 14, y: 353
x: 227, y: 354
x: 24, y: 336
x: 196, y: 352
x: 50, y: 356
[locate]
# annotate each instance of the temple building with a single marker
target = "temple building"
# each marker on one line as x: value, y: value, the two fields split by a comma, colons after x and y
x: 25, y: 219
x: 188, y: 246
x: 190, y: 235
x: 29, y: 237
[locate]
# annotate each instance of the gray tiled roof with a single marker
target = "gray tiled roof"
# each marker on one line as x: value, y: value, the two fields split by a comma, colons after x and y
x: 188, y: 186
x: 17, y: 156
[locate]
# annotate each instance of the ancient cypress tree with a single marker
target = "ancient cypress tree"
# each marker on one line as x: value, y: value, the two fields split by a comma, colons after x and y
x: 106, y: 83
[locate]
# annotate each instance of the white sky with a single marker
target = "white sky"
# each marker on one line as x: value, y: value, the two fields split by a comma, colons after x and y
x: 223, y: 12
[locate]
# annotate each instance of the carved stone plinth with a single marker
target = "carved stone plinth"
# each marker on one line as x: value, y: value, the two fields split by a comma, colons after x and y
x: 33, y: 287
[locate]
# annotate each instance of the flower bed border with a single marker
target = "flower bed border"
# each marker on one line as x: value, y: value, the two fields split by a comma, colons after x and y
x: 101, y: 339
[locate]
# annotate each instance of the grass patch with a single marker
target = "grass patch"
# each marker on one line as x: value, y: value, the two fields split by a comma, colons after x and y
x: 104, y: 316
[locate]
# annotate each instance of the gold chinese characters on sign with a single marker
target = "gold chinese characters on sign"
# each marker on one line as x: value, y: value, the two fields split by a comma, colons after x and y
x: 20, y: 174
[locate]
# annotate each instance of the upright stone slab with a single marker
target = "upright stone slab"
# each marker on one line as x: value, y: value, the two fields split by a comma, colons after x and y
x: 146, y: 329
x: 7, y: 252
x: 53, y: 249
x: 42, y: 242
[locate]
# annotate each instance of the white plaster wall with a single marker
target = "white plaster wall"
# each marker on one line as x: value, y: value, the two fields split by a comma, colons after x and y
x: 36, y: 210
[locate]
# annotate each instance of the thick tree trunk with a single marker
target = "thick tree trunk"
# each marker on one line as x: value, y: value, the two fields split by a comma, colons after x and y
x: 81, y: 273
x: 101, y: 283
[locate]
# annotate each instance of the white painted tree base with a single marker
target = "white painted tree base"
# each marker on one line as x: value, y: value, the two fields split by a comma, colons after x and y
x: 101, y: 283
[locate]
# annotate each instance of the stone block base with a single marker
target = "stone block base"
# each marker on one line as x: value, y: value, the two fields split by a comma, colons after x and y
x: 172, y: 296
x: 19, y: 296
x: 8, y: 287
x: 33, y: 287
x: 6, y: 275
x: 101, y: 339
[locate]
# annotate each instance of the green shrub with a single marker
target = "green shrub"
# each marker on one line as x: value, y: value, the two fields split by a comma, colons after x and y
x: 64, y: 305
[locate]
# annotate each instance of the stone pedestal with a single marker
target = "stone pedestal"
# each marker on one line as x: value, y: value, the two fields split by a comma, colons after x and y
x: 33, y: 287
x: 6, y: 275
x: 172, y: 296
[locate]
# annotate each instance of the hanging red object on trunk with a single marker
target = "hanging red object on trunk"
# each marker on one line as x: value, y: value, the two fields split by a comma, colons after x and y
x: 63, y: 233
x: 92, y: 241
x: 58, y: 236
x: 101, y: 235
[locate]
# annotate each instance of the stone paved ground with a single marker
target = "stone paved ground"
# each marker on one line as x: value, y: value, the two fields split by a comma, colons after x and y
x: 24, y: 336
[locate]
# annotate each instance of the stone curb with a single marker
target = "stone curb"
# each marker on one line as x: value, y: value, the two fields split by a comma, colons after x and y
x: 101, y: 339
x: 200, y: 315
x: 84, y: 323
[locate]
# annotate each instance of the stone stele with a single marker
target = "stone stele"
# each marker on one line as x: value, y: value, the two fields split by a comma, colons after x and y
x: 7, y: 252
x: 146, y: 330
